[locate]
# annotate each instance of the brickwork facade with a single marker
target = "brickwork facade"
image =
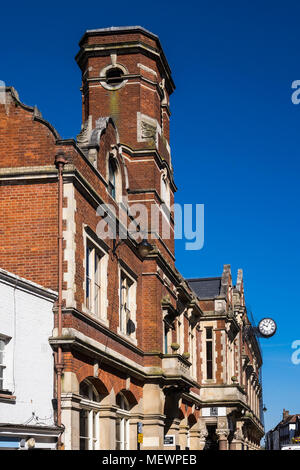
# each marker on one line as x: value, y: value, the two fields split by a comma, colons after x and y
x: 134, y: 331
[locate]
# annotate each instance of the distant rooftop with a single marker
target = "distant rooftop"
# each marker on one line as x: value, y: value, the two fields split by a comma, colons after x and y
x: 206, y: 288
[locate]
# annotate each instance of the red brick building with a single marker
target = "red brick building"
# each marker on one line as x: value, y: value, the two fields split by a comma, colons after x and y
x: 137, y: 347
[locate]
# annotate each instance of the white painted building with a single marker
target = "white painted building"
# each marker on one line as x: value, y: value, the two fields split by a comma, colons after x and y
x: 26, y: 365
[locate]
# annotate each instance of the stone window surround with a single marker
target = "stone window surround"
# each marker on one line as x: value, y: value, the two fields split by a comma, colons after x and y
x: 132, y: 300
x: 214, y: 355
x: 103, y: 72
x: 92, y: 408
x: 102, y: 317
x: 5, y: 340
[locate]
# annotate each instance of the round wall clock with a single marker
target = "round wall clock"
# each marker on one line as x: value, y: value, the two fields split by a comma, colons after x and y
x: 267, y: 327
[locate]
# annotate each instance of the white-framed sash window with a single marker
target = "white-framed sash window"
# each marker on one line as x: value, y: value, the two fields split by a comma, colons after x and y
x: 95, y: 285
x: 122, y: 423
x: 89, y: 431
x: 127, y: 305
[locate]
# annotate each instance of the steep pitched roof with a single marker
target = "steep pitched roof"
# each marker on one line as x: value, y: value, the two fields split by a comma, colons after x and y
x: 206, y: 288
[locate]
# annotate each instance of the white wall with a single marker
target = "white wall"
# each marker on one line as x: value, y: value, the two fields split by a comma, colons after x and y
x: 26, y: 316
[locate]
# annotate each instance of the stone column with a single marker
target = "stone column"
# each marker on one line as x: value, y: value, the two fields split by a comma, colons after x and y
x: 223, y: 436
x: 183, y: 432
x: 70, y: 414
x: 133, y: 427
x: 194, y: 439
x: 237, y: 441
x: 154, y: 419
x: 107, y: 417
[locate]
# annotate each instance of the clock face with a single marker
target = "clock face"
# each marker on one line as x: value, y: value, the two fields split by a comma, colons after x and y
x: 267, y: 327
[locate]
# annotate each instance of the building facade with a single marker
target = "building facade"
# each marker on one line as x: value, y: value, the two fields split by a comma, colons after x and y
x: 26, y: 367
x: 143, y: 358
x: 286, y: 432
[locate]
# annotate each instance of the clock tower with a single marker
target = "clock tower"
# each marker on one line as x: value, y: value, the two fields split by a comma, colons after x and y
x: 126, y: 78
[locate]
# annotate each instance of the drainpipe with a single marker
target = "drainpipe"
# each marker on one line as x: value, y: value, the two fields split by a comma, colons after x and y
x: 60, y: 161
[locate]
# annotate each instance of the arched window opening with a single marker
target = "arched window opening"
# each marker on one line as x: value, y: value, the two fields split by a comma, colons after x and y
x: 122, y: 423
x: 89, y: 417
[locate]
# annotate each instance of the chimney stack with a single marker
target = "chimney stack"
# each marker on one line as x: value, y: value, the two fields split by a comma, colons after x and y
x: 285, y: 414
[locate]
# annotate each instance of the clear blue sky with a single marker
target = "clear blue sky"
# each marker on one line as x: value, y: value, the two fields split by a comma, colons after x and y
x: 235, y: 135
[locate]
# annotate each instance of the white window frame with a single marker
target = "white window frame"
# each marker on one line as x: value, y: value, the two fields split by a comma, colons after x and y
x: 113, y: 162
x: 92, y: 409
x: 130, y: 305
x: 99, y: 311
x: 2, y: 362
x: 123, y: 417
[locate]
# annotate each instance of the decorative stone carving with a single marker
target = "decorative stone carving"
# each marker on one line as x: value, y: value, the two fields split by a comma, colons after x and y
x: 84, y: 135
x: 203, y: 433
x: 148, y: 131
x: 222, y: 423
x: 164, y: 101
x: 222, y: 433
x: 238, y: 434
x: 100, y: 125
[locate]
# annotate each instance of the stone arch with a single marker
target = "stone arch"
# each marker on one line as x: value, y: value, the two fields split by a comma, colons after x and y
x: 114, y: 383
x: 97, y: 384
x: 130, y: 397
x: 84, y: 371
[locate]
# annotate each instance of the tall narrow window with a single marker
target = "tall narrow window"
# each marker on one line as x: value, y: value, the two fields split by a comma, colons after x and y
x: 112, y: 169
x: 93, y: 279
x: 122, y: 423
x: 2, y: 366
x: 89, y: 418
x: 192, y: 349
x: 166, y: 331
x: 209, y: 353
x: 127, y: 292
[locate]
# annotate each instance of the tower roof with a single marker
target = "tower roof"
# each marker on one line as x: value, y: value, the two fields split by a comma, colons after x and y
x: 122, y: 29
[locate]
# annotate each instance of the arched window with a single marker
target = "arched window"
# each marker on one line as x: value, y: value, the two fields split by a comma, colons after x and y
x: 122, y: 423
x: 89, y: 417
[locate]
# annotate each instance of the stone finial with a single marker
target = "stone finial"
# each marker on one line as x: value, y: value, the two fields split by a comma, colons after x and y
x: 239, y: 282
x: 226, y: 275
